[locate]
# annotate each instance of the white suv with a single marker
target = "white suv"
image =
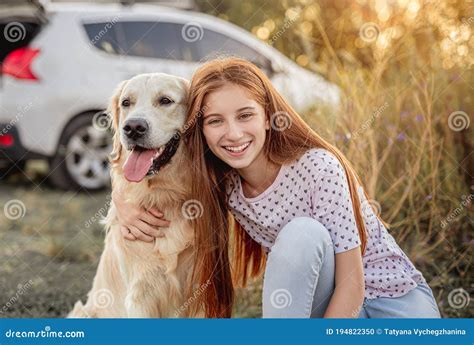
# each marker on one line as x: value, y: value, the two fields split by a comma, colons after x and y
x: 53, y: 85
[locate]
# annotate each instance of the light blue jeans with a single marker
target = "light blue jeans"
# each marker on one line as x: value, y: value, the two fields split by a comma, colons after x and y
x: 299, y: 279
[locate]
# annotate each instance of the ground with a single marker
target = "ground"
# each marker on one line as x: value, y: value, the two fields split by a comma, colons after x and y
x: 48, y: 256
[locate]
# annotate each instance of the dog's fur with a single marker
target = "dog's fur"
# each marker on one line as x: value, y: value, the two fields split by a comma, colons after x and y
x: 135, y: 278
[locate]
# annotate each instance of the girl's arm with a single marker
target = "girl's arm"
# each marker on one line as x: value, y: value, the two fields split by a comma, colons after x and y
x: 348, y: 295
x: 141, y: 223
x: 332, y: 206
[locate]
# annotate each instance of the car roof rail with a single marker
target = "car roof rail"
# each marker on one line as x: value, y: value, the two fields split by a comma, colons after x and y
x: 178, y: 4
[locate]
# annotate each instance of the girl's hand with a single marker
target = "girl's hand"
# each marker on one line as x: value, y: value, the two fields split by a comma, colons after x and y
x: 136, y: 222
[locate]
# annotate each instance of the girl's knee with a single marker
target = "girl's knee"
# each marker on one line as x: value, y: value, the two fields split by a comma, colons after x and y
x: 303, y: 235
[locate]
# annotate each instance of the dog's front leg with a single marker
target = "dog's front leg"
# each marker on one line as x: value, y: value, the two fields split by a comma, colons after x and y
x: 141, y: 301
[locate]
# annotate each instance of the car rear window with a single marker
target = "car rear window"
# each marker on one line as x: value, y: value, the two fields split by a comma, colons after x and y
x: 16, y: 34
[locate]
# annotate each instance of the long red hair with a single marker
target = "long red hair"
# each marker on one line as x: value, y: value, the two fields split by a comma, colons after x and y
x: 210, y: 176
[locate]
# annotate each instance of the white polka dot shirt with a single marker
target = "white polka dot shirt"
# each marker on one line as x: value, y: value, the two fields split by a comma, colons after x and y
x: 316, y: 186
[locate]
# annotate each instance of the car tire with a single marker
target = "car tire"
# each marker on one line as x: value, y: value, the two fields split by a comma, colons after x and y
x: 81, y: 160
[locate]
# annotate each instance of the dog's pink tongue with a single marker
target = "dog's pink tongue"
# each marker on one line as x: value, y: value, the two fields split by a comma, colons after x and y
x: 138, y: 164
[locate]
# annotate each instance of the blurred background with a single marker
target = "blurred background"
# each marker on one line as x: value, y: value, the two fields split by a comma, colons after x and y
x: 389, y: 82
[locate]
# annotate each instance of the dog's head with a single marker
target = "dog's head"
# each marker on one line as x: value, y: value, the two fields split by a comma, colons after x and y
x: 148, y: 113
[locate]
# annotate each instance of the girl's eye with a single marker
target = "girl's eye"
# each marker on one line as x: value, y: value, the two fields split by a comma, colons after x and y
x: 213, y: 122
x: 165, y: 101
x: 126, y: 103
x: 245, y: 116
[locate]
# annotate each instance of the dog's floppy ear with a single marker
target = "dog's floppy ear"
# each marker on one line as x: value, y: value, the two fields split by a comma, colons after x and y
x: 114, y: 112
x: 187, y: 85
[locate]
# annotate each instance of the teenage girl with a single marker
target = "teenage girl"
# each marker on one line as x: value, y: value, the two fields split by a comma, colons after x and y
x: 292, y: 196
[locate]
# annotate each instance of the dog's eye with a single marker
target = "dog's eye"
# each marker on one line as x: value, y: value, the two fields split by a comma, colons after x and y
x: 165, y: 101
x: 126, y: 103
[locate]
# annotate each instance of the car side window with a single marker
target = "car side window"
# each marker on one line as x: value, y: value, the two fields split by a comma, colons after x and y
x: 103, y: 36
x: 213, y: 44
x: 151, y: 39
x: 163, y: 40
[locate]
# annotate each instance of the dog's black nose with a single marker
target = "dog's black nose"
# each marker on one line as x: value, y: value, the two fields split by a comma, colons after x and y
x: 135, y: 128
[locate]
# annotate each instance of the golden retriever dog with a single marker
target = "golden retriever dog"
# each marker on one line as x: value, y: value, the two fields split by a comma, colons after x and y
x: 135, y: 278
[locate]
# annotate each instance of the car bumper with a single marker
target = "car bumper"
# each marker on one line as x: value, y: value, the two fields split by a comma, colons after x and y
x: 11, y: 147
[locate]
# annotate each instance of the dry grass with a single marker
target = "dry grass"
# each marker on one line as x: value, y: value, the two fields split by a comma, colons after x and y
x: 396, y: 127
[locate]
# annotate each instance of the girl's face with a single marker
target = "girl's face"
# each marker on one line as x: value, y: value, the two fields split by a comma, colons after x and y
x: 234, y: 126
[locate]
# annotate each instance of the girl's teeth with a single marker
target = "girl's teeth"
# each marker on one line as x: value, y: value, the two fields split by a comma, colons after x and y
x: 238, y: 148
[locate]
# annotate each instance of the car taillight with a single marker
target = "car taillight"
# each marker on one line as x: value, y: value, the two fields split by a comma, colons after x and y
x: 18, y: 63
x: 6, y: 140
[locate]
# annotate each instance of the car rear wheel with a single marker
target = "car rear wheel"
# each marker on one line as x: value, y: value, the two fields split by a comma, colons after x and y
x: 81, y: 161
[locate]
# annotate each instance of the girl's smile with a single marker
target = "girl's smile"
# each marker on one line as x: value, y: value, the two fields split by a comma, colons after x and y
x: 237, y: 151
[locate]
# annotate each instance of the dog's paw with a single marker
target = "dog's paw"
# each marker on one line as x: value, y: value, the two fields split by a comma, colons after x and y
x: 79, y: 312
